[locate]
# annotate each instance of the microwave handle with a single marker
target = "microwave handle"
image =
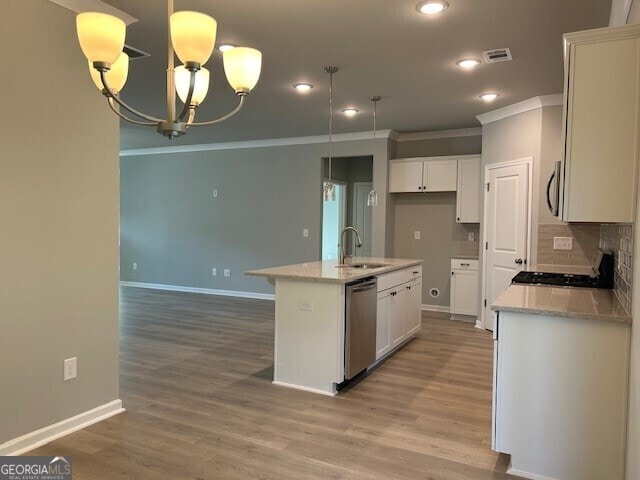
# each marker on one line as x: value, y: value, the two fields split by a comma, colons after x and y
x: 555, y: 175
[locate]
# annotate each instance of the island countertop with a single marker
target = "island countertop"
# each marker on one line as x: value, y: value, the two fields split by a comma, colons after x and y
x: 327, y: 271
x: 588, y: 303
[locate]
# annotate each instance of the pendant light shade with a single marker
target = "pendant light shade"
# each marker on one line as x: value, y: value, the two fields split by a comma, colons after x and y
x: 372, y: 197
x: 116, y: 77
x: 101, y: 36
x: 329, y: 191
x: 183, y: 79
x: 193, y: 36
x: 242, y: 67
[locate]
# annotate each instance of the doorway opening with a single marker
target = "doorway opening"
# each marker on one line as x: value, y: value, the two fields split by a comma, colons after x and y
x: 353, y: 177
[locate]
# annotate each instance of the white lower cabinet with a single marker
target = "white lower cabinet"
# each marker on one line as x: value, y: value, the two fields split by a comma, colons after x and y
x: 399, y: 308
x: 464, y: 287
x: 413, y: 307
x: 560, y: 395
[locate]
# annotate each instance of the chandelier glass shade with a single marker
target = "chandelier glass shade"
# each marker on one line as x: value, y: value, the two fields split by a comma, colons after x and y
x: 192, y: 37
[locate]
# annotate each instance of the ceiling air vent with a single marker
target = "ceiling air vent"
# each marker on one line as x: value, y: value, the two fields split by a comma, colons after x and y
x: 134, y: 53
x: 497, y: 55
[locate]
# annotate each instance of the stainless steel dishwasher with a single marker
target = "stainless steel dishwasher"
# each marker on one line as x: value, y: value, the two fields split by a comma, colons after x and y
x: 360, y: 327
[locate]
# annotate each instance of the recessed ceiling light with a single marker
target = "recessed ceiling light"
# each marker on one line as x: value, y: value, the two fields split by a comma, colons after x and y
x: 489, y: 96
x: 431, y: 7
x: 468, y: 63
x: 225, y: 47
x: 350, y: 112
x: 302, y: 87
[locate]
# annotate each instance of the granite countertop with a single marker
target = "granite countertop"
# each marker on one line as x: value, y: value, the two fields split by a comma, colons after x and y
x: 569, y: 269
x: 588, y: 303
x: 326, y: 271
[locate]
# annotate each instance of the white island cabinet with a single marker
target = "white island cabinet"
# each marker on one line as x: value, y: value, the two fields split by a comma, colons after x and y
x: 309, y: 346
x: 560, y: 382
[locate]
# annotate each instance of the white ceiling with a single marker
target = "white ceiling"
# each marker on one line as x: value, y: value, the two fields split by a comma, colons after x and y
x: 382, y: 47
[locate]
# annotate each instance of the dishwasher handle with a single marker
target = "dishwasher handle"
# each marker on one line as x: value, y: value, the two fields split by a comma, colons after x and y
x: 363, y: 287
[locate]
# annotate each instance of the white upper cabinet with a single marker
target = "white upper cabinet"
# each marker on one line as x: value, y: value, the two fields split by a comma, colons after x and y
x: 423, y: 174
x: 600, y: 123
x: 468, y: 197
x: 405, y: 175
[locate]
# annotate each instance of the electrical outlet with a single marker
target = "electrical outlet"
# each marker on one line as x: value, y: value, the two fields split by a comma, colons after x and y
x: 215, y: 192
x: 306, y: 305
x: 305, y: 232
x: 70, y: 368
x: 416, y: 235
x: 563, y: 243
x: 214, y: 272
x: 472, y: 236
x: 227, y: 272
x: 135, y: 265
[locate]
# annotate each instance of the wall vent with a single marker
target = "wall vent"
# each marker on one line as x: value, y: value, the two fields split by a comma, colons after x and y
x: 497, y: 55
x: 134, y: 53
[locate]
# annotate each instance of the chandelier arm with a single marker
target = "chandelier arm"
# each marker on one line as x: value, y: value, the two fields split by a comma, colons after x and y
x: 113, y: 95
x: 187, y: 102
x: 130, y: 120
x: 221, y: 119
x: 192, y: 115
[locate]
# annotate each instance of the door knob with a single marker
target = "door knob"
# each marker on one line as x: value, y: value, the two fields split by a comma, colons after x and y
x: 519, y: 261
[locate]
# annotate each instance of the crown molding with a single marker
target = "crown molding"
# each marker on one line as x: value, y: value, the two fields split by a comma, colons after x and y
x: 520, y: 107
x: 274, y: 142
x: 460, y: 132
x: 80, y: 6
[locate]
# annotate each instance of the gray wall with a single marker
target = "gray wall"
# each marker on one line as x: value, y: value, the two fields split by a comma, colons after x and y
x: 176, y: 231
x: 440, y: 147
x: 434, y: 214
x: 59, y: 212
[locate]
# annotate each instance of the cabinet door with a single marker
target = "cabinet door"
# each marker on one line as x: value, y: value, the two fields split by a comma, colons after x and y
x: 601, y: 125
x: 440, y: 175
x: 383, y: 333
x: 468, y: 192
x: 405, y: 176
x: 464, y: 292
x: 413, y: 308
x: 396, y: 314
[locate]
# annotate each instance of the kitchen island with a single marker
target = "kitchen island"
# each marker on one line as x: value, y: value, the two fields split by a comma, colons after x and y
x: 309, y: 349
x: 560, y: 382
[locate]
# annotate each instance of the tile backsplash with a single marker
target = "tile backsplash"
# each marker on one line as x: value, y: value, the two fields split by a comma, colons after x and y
x: 618, y: 239
x: 461, y: 244
x: 586, y: 238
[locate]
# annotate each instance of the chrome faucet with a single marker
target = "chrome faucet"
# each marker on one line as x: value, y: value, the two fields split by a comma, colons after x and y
x: 343, y: 255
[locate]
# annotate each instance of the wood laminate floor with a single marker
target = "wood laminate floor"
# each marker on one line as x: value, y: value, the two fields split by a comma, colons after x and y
x: 195, y: 378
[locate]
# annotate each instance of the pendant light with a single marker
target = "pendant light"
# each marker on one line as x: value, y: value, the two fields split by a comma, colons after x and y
x: 329, y: 187
x: 372, y: 198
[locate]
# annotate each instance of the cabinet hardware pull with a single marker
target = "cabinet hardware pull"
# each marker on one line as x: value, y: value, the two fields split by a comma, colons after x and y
x: 419, y: 187
x: 415, y: 272
x: 464, y: 264
x: 451, y: 273
x: 408, y: 288
x: 518, y: 261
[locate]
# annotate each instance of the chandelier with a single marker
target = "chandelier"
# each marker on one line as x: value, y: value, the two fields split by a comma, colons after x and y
x: 192, y: 37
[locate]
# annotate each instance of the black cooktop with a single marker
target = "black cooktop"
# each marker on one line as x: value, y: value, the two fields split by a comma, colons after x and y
x: 558, y: 279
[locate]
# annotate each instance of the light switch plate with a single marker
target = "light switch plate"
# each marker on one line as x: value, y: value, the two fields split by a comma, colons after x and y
x: 472, y: 236
x: 305, y: 232
x: 563, y: 243
x: 227, y: 272
x: 416, y: 235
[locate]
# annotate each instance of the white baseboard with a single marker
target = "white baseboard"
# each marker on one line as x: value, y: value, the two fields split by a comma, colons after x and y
x: 434, y: 308
x: 531, y: 476
x: 304, y: 389
x: 36, y: 439
x: 464, y: 318
x: 207, y: 291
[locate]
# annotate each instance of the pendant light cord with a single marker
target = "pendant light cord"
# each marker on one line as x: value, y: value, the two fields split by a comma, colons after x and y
x: 330, y: 119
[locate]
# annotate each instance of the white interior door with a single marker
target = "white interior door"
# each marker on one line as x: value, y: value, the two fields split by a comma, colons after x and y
x: 506, y: 229
x: 362, y: 216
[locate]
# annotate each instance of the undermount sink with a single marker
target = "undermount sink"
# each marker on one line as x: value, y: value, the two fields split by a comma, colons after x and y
x: 362, y: 265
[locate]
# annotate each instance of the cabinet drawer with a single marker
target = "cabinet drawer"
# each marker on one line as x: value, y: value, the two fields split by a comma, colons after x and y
x: 463, y: 264
x: 392, y: 279
x: 414, y: 272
